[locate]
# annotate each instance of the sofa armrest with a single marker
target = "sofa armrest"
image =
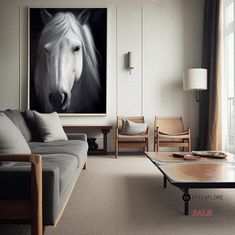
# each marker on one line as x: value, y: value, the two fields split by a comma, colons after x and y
x: 77, y: 136
x: 32, y: 208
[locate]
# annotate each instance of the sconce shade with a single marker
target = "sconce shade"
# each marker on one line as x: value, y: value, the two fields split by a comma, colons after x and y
x: 195, y: 79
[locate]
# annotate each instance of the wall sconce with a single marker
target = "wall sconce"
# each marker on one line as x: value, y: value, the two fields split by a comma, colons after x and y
x: 130, y: 61
x: 195, y: 79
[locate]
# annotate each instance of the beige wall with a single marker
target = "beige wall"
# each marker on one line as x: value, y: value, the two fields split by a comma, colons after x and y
x: 165, y: 37
x: 9, y: 56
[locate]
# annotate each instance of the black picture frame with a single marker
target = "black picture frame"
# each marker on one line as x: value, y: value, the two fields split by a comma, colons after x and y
x: 88, y: 94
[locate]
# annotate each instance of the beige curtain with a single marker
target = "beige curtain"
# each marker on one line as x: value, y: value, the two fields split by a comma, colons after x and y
x: 210, y: 101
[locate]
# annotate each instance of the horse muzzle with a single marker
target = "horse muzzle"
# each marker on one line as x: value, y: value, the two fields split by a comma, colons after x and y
x: 60, y: 100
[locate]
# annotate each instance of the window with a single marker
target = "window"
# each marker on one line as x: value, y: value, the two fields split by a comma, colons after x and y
x: 228, y: 116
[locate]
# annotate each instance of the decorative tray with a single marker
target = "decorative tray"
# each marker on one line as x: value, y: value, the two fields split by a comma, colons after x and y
x: 210, y: 154
x: 186, y: 156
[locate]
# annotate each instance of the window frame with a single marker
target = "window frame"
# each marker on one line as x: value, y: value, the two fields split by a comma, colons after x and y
x: 227, y: 30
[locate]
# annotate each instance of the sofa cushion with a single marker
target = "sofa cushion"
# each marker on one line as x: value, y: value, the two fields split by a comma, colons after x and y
x: 11, y: 139
x: 18, y: 119
x: 67, y: 165
x: 50, y: 126
x: 76, y: 148
x: 32, y: 124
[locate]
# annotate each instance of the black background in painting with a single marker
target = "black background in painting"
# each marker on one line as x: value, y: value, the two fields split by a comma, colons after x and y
x: 98, y: 25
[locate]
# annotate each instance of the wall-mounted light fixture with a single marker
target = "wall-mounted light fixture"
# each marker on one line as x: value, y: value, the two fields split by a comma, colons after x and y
x: 130, y: 61
x: 195, y: 79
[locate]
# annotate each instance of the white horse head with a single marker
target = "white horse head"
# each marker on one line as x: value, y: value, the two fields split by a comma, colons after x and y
x: 65, y: 49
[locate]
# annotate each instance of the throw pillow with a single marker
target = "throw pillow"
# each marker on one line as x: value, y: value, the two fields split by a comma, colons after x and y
x: 50, y: 127
x: 133, y: 128
x: 11, y: 139
x: 30, y: 119
x: 17, y: 117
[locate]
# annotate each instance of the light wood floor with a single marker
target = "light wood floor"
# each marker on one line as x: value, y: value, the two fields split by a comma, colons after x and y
x: 125, y: 196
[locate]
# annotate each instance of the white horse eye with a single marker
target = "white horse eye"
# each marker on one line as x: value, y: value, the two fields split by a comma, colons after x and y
x: 76, y: 49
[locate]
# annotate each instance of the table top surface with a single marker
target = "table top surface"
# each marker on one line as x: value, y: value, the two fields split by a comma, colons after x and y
x: 199, y: 172
x: 89, y: 126
x: 166, y: 157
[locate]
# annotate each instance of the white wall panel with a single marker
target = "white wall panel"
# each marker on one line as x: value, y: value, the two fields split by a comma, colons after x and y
x: 129, y: 36
x: 171, y: 45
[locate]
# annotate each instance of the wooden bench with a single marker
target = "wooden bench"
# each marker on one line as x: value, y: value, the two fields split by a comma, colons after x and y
x: 104, y: 129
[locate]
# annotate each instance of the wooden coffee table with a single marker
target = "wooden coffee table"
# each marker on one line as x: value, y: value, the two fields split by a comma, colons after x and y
x: 159, y: 158
x: 204, y: 173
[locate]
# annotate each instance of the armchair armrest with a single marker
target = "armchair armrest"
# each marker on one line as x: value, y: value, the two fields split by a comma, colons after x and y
x: 33, y: 158
x: 147, y: 131
x: 117, y: 132
x: 33, y: 208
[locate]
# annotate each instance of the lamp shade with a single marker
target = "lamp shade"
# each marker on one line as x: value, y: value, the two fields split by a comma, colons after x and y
x: 195, y: 79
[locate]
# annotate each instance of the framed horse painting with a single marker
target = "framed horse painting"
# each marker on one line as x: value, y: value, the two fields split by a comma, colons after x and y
x: 67, y: 60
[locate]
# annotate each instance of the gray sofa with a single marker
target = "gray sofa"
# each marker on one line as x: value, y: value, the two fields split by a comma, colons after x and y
x: 62, y: 162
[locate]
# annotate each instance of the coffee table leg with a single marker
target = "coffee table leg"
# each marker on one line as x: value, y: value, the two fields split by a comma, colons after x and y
x: 164, y: 181
x: 186, y: 198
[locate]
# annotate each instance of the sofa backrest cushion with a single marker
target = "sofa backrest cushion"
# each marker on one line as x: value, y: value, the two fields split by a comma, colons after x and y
x: 18, y: 119
x: 11, y: 139
x: 32, y: 124
x: 50, y: 127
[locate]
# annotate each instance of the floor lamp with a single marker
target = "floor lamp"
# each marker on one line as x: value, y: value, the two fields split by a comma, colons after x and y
x: 195, y: 79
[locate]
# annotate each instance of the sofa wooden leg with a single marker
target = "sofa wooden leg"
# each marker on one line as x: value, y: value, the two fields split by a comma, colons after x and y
x: 36, y: 191
x: 85, y: 166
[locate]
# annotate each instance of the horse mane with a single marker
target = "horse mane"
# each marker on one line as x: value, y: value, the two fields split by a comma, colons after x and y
x: 87, y: 90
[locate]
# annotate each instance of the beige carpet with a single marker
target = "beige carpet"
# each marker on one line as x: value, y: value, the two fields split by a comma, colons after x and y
x: 125, y: 196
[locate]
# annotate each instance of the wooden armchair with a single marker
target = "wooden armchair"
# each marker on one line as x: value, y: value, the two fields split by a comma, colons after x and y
x: 130, y: 141
x: 170, y: 132
x: 26, y: 209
